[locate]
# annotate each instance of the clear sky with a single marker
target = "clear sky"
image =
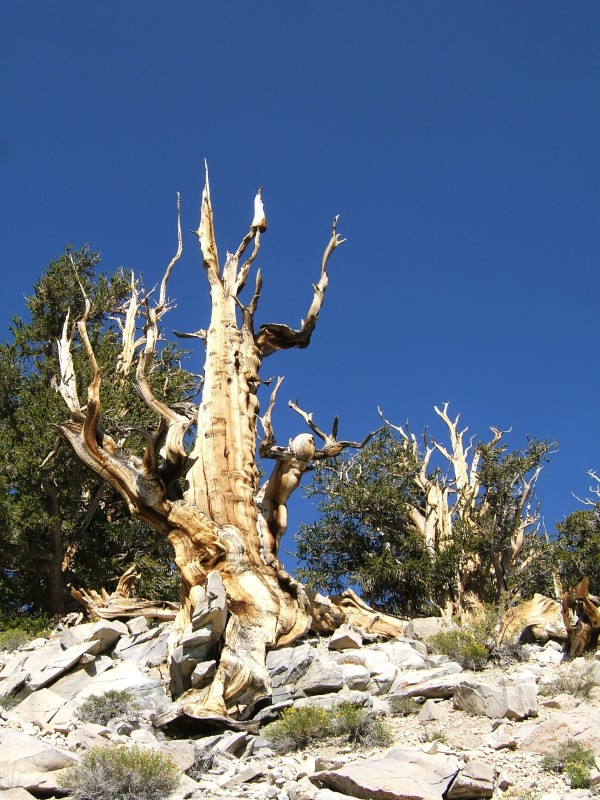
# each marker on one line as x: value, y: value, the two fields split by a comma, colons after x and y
x: 459, y: 142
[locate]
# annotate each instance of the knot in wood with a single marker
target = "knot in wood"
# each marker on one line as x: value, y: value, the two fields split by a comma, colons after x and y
x: 303, y: 446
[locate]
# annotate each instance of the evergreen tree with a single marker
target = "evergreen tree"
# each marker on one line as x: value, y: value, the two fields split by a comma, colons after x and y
x: 59, y: 522
x: 576, y: 549
x: 417, y: 539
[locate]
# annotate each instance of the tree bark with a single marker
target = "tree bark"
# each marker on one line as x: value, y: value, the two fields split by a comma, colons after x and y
x: 56, y: 584
x: 224, y: 528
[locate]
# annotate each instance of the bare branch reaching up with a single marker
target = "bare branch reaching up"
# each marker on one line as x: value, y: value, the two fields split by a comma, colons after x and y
x: 331, y: 446
x: 162, y: 301
x: 275, y: 336
x: 67, y: 385
x: 206, y: 235
x: 268, y: 440
x: 127, y: 327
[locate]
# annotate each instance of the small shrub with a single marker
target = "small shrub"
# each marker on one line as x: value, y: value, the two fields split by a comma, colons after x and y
x: 299, y: 727
x: 573, y: 759
x: 462, y: 646
x: 579, y: 775
x: 8, y: 701
x: 101, y: 708
x: 359, y: 726
x: 118, y: 772
x: 207, y: 759
x: 508, y: 652
x: 17, y: 630
x: 403, y: 706
x: 577, y: 680
x: 12, y: 639
x: 434, y: 735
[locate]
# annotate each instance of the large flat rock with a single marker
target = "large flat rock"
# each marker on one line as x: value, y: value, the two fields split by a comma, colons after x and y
x: 39, y: 706
x: 496, y: 702
x: 403, y: 774
x: 124, y: 676
x: 58, y: 665
x: 30, y: 763
x: 581, y: 724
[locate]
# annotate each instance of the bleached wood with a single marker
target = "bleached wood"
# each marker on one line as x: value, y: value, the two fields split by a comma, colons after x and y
x: 219, y: 518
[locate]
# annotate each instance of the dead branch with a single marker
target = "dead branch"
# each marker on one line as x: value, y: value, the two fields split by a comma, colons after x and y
x: 206, y: 236
x: 331, y: 446
x: 275, y: 336
x: 120, y: 604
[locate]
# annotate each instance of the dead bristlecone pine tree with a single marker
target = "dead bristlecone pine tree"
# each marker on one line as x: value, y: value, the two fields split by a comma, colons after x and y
x: 237, y: 601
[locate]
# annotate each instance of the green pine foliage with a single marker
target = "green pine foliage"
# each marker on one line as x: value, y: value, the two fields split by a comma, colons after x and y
x: 58, y: 523
x: 366, y: 535
x: 576, y: 548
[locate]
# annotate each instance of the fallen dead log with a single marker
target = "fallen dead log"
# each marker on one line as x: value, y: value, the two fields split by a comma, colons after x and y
x: 120, y: 604
x: 581, y: 618
x: 537, y: 619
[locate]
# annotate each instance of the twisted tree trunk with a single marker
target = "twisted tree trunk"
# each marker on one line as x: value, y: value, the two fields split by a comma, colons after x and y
x: 224, y: 528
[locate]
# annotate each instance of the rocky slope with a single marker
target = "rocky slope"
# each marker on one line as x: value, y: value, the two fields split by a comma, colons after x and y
x: 476, y: 734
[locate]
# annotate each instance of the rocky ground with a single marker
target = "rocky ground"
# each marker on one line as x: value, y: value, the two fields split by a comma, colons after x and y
x: 475, y: 734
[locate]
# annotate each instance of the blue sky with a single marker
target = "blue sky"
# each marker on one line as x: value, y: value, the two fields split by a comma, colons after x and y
x: 459, y: 142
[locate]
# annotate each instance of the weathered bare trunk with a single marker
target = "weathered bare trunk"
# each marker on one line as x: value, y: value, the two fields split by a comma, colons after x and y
x: 459, y: 499
x: 56, y: 583
x: 581, y: 617
x: 224, y: 528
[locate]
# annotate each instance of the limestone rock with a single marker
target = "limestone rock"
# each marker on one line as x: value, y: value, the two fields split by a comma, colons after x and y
x: 288, y: 664
x: 437, y: 688
x: 106, y: 633
x: 322, y: 677
x: 402, y: 774
x: 203, y: 673
x: 351, y: 697
x: 147, y: 648
x: 137, y: 625
x: 430, y: 711
x: 345, y: 638
x: 70, y: 684
x: 31, y: 763
x: 581, y: 724
x: 426, y: 678
x: 12, y: 683
x: 34, y: 661
x: 355, y: 676
x: 39, y: 706
x: 423, y: 628
x: 125, y: 676
x: 59, y: 665
x: 328, y: 794
x: 475, y: 780
x: 512, y: 702
x: 403, y: 653
x: 201, y: 637
x: 87, y: 735
x: 181, y: 751
x: 211, y: 605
